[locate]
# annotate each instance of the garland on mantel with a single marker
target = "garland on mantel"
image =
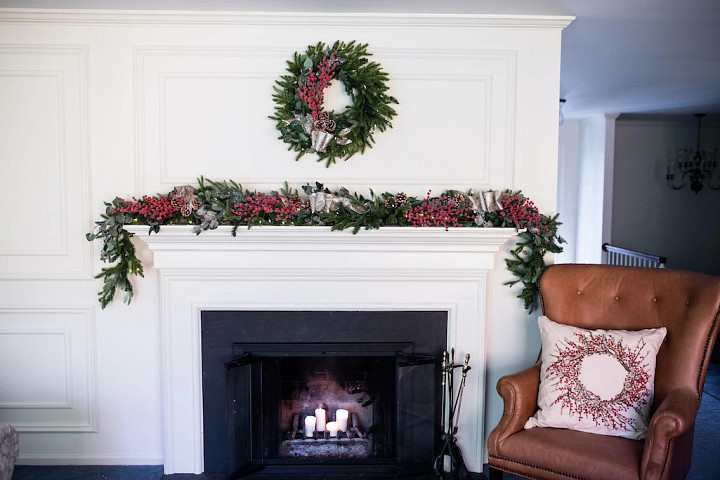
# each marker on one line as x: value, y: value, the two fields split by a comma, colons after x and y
x: 211, y: 204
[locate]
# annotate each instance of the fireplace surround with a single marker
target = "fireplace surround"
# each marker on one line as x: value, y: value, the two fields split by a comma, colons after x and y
x: 381, y: 367
x: 290, y: 269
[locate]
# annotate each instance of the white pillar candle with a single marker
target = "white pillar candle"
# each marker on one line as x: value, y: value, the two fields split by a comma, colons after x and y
x: 332, y: 427
x: 309, y: 426
x: 341, y: 417
x: 321, y: 419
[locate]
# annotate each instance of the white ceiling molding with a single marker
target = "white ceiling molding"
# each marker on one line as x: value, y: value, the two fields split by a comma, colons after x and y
x: 254, y: 19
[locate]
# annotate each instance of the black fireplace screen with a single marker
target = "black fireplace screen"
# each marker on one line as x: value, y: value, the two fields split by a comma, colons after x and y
x: 263, y: 413
x: 342, y: 404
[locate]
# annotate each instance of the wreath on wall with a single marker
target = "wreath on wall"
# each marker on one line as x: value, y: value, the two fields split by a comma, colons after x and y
x: 301, y: 120
x: 210, y: 204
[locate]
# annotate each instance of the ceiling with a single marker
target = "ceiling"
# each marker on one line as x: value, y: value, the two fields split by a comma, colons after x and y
x: 641, y: 56
x: 618, y: 56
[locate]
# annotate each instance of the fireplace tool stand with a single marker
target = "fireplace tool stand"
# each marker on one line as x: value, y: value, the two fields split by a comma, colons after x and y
x: 449, y: 464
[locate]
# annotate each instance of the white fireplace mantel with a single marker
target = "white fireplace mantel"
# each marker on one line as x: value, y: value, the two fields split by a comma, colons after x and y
x: 176, y: 247
x: 314, y: 268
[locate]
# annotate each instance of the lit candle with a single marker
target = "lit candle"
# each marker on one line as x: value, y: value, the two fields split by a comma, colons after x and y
x: 309, y: 426
x: 341, y: 417
x: 332, y: 427
x: 321, y: 419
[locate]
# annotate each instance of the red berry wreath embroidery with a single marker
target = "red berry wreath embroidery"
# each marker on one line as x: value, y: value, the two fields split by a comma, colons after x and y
x: 585, y: 404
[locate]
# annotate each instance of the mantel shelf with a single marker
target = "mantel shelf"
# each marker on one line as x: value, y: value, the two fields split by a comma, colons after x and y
x: 271, y: 250
x: 313, y: 235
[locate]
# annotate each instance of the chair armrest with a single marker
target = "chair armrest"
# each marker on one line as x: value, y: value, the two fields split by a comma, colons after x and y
x: 674, y: 417
x: 519, y: 393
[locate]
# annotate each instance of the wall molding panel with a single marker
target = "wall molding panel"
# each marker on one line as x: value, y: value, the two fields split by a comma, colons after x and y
x: 190, y: 108
x: 47, y: 367
x: 8, y: 336
x: 47, y: 150
x: 59, y: 246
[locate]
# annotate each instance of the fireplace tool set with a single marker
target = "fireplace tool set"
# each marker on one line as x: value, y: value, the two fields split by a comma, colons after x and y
x: 449, y: 464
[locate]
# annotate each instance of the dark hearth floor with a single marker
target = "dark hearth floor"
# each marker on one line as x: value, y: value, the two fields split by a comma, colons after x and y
x: 705, y: 459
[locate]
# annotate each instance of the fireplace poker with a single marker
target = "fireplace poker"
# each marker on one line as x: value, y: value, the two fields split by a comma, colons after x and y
x: 458, y: 403
x: 451, y: 386
x: 444, y: 383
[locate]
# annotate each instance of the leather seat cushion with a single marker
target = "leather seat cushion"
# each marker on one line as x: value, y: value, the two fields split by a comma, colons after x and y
x: 570, y: 454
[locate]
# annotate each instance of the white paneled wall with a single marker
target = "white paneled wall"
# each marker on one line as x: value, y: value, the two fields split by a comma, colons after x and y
x: 97, y: 104
x: 47, y: 359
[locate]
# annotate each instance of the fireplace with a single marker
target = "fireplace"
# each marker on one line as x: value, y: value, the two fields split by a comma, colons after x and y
x: 276, y: 270
x: 329, y: 393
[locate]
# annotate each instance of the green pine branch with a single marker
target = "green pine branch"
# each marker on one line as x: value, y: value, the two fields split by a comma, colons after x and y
x: 526, y: 261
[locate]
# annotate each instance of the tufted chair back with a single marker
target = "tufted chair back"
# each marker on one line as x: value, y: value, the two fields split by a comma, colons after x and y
x: 631, y: 298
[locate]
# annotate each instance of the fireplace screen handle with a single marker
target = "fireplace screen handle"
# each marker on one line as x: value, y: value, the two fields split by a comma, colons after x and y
x: 412, y: 359
x: 242, y: 360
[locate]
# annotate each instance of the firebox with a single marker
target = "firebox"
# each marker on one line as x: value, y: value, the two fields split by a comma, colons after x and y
x: 335, y: 409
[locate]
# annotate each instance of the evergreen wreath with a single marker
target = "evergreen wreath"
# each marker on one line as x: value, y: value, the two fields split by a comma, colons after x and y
x: 211, y: 204
x: 298, y: 97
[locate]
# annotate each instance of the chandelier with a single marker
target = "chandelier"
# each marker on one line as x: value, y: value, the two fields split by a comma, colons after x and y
x: 696, y: 166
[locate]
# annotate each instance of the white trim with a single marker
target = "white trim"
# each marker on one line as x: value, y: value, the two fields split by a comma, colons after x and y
x: 609, y: 178
x: 386, y: 253
x: 264, y: 19
x: 294, y: 237
x: 171, y: 323
x: 218, y: 271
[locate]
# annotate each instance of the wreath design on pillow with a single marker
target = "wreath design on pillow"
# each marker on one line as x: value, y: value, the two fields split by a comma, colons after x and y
x: 585, y: 404
x: 298, y: 97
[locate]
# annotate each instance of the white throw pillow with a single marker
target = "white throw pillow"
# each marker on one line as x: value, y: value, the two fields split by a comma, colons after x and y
x: 596, y: 381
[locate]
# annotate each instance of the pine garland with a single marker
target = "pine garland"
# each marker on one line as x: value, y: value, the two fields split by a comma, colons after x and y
x: 211, y: 204
x: 364, y: 81
x: 540, y: 236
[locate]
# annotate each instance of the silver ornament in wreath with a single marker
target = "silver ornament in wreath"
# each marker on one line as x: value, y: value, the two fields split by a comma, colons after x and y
x: 299, y: 94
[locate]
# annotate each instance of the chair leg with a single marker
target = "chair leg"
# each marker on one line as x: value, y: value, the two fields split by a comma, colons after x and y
x: 495, y: 474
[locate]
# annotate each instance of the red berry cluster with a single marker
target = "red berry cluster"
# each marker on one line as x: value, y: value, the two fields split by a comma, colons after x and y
x: 523, y: 213
x: 274, y: 209
x: 152, y: 208
x: 441, y: 211
x: 312, y: 91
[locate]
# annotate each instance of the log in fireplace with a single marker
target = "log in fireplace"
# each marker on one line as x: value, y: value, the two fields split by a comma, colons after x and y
x: 329, y: 394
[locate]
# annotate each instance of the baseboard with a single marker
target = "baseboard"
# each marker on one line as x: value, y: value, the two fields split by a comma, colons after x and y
x: 89, y: 459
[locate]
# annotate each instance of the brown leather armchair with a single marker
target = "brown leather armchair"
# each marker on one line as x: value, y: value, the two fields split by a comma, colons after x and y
x: 611, y: 297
